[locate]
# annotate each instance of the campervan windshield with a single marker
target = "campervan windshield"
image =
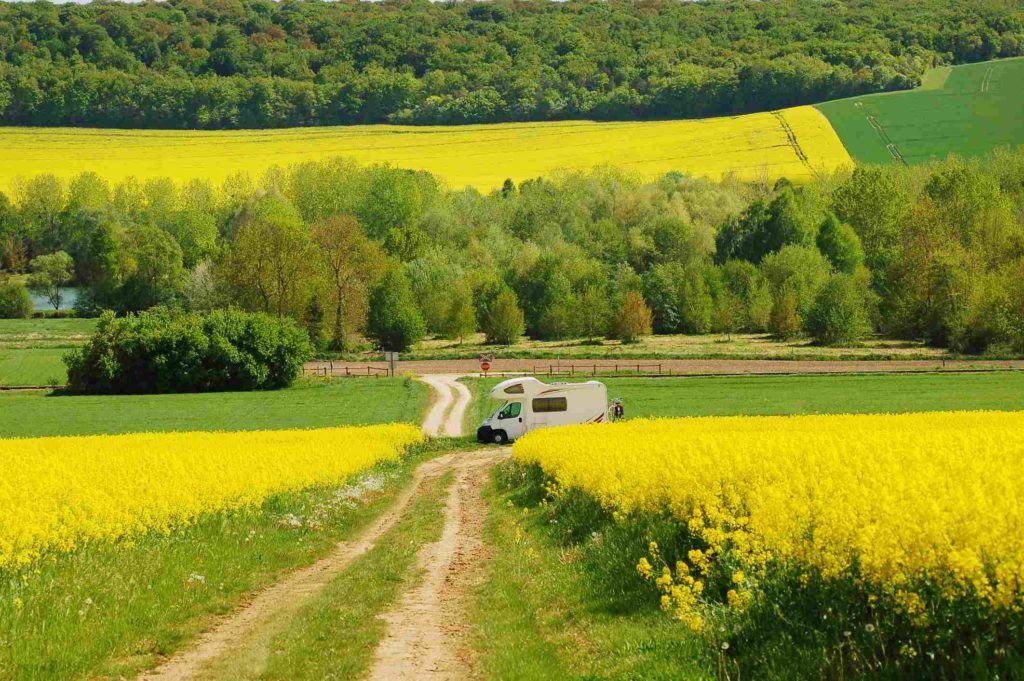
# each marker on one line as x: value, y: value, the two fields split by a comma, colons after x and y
x: 509, y: 410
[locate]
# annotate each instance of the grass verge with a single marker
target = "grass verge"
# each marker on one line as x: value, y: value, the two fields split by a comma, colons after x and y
x: 541, y: 614
x: 110, y: 610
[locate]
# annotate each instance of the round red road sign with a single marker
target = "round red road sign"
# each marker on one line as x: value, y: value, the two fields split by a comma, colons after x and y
x: 485, y: 366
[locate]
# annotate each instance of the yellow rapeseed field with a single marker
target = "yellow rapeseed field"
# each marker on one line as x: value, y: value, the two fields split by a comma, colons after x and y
x: 794, y: 143
x: 57, y: 493
x: 899, y: 503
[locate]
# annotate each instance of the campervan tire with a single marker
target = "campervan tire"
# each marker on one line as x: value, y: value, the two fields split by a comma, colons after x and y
x: 499, y: 437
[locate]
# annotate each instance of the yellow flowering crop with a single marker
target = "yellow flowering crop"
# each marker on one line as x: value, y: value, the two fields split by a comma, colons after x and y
x: 794, y: 143
x: 899, y: 500
x: 59, y: 492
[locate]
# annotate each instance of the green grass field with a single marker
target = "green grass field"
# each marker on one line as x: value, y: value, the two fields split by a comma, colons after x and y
x: 968, y: 110
x: 728, y: 396
x: 32, y: 350
x: 307, y: 405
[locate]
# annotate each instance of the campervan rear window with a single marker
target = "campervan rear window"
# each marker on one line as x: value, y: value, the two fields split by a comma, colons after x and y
x: 546, y: 404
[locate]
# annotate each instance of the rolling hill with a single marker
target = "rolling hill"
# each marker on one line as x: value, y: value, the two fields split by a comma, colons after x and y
x: 794, y: 143
x: 968, y: 110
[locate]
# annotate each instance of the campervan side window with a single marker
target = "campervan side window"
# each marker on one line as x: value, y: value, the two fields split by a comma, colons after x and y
x: 546, y: 404
x: 516, y: 389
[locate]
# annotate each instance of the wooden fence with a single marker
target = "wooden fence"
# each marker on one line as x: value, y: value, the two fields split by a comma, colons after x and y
x: 329, y: 369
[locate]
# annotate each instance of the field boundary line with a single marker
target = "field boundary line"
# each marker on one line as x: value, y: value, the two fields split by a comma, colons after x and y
x: 286, y: 596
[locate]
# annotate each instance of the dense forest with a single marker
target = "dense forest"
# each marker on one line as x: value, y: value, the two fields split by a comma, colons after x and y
x: 931, y: 252
x: 260, y: 63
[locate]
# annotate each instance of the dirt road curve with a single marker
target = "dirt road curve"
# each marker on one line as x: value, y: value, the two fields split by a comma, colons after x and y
x: 449, y: 406
x: 426, y: 636
x: 682, y: 367
x: 241, y: 630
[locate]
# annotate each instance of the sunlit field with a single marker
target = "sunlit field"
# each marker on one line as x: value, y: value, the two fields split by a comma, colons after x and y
x: 795, y: 143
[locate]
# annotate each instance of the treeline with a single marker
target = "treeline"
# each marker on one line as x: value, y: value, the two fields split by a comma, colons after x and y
x: 258, y: 63
x: 933, y: 252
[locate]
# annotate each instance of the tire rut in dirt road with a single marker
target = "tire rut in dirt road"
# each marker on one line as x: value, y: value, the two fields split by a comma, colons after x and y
x: 427, y: 635
x: 448, y: 409
x: 285, y: 597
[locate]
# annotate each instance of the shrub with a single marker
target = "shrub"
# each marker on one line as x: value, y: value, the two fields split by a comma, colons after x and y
x: 15, y: 302
x: 163, y: 351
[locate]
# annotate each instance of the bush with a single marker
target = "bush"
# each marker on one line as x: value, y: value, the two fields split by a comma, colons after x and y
x: 839, y: 315
x: 15, y: 302
x: 163, y: 351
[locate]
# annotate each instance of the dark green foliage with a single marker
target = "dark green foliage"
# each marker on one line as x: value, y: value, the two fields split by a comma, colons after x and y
x: 15, y: 302
x: 314, y: 323
x: 395, y: 322
x: 840, y: 244
x: 764, y: 229
x: 181, y: 64
x: 839, y: 315
x: 163, y: 351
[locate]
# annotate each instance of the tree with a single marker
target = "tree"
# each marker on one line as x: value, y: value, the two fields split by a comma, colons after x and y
x: 593, y: 312
x: 270, y: 266
x: 150, y: 270
x: 395, y: 323
x: 351, y: 264
x: 785, y: 321
x: 840, y: 244
x: 460, y: 317
x: 729, y: 313
x: 50, y: 274
x: 313, y: 322
x: 839, y: 314
x: 504, y: 324
x: 633, y: 319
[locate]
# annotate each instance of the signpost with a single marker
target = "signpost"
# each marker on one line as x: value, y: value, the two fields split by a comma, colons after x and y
x: 392, y: 359
x: 485, y: 363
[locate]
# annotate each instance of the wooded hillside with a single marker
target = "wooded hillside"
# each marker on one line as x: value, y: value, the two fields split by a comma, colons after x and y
x: 257, y: 63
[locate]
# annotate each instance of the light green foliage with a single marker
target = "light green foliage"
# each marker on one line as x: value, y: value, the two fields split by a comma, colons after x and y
x: 49, y: 274
x: 504, y: 323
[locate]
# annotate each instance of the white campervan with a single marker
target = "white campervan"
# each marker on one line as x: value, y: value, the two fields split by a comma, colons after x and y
x: 528, y: 404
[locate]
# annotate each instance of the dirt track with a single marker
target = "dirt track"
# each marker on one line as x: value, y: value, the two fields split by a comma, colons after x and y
x: 426, y: 635
x: 449, y: 406
x: 681, y: 367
